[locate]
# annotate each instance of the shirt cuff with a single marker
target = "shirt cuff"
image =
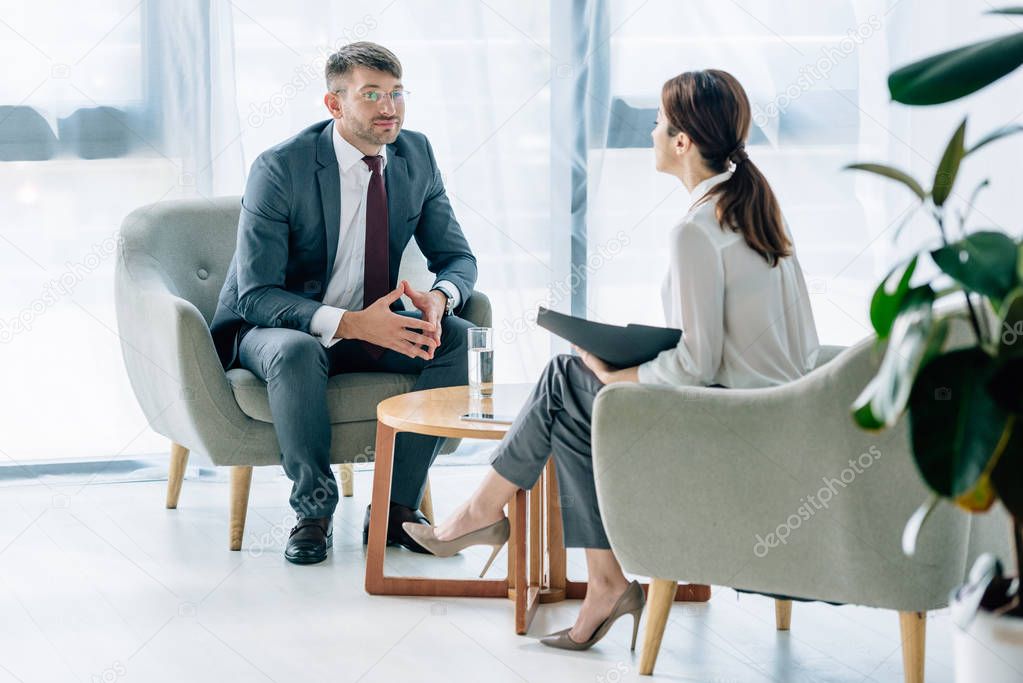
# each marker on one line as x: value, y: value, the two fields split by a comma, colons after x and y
x: 650, y: 372
x: 450, y: 290
x: 324, y: 324
x: 645, y: 373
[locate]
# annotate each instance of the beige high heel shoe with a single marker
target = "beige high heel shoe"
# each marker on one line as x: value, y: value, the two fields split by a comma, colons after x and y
x: 495, y: 535
x: 631, y: 602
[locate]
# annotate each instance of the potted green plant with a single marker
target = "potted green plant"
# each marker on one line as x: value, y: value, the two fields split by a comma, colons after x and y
x: 964, y: 402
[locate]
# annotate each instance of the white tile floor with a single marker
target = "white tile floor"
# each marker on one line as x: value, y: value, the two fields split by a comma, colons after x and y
x: 99, y: 582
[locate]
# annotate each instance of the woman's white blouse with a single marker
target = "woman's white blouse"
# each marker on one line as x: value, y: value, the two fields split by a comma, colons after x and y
x: 744, y: 324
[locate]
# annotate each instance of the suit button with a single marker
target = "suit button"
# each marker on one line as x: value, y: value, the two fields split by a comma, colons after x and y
x: 202, y: 273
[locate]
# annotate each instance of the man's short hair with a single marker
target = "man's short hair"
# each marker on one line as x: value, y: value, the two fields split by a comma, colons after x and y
x: 364, y: 53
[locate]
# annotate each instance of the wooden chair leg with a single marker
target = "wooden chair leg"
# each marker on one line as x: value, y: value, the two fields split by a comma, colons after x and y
x: 783, y: 614
x: 347, y: 479
x: 913, y: 629
x: 176, y: 473
x: 658, y: 605
x: 426, y: 506
x: 241, y: 481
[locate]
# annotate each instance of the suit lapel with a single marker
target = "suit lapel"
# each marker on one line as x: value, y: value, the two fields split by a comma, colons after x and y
x: 396, y: 177
x: 329, y: 179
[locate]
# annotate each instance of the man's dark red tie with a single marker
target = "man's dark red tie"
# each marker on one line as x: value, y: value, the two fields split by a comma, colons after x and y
x: 376, y: 283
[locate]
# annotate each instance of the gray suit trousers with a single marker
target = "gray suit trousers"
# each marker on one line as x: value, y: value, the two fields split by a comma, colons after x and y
x: 556, y: 420
x: 295, y: 367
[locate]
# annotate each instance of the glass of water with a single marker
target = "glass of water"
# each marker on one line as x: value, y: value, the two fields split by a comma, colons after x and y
x: 481, y: 362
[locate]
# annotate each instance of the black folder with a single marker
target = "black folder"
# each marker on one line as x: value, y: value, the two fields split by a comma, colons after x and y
x: 620, y: 346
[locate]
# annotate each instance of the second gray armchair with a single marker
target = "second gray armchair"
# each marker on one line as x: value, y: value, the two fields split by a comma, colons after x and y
x: 776, y: 491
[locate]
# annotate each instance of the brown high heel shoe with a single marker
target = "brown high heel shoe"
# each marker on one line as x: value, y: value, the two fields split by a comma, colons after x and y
x: 631, y: 602
x: 494, y: 535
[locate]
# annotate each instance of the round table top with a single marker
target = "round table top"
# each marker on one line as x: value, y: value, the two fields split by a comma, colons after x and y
x: 437, y: 412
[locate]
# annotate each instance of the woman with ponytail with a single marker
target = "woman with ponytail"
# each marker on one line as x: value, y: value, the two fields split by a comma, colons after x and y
x: 733, y: 286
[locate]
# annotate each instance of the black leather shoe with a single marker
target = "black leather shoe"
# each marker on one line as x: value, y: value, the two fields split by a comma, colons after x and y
x: 395, y: 534
x: 309, y: 540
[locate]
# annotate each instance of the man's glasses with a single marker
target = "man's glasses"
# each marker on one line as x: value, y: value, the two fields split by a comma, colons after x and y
x: 374, y: 96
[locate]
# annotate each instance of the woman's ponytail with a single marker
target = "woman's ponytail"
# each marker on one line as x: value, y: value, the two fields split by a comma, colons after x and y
x: 711, y: 107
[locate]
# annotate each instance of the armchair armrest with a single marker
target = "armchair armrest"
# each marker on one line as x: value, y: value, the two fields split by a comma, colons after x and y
x: 170, y: 359
x: 477, y: 309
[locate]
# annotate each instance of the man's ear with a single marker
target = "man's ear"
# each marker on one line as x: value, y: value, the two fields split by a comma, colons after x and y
x: 333, y: 104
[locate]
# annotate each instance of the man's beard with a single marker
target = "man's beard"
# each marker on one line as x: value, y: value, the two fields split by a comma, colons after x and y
x: 367, y: 133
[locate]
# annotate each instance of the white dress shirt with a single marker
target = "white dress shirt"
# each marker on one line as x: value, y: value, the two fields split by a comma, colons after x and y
x: 745, y: 324
x: 345, y: 286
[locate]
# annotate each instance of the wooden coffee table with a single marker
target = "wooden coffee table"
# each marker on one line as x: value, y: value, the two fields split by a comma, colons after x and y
x: 536, y: 566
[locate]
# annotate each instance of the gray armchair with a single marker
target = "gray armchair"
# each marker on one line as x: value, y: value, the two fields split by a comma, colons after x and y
x: 171, y: 263
x: 777, y: 491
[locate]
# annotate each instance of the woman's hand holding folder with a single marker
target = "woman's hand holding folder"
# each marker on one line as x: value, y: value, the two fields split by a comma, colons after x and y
x: 607, y: 374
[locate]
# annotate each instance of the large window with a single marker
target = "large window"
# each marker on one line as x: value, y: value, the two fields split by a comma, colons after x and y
x: 479, y: 77
x: 75, y: 160
x: 224, y: 82
x: 799, y: 64
x: 539, y: 113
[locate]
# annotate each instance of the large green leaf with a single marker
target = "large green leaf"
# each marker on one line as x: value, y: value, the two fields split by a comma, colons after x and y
x: 983, y: 262
x: 996, y: 134
x: 1019, y: 263
x: 1007, y: 476
x: 955, y: 424
x: 948, y: 167
x: 890, y: 296
x: 1010, y: 320
x: 913, y: 335
x: 1007, y: 388
x: 1006, y: 385
x: 892, y: 173
x: 1006, y: 10
x: 956, y: 73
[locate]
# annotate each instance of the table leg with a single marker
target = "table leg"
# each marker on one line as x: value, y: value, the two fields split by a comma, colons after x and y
x: 554, y: 586
x: 526, y: 592
x: 377, y: 546
x: 377, y: 583
x: 512, y: 548
x: 518, y: 551
x: 536, y: 554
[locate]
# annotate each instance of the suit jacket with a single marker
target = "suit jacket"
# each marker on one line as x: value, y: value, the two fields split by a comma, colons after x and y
x: 289, y: 227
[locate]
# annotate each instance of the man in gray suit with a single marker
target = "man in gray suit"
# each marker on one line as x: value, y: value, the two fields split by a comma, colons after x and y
x: 312, y: 290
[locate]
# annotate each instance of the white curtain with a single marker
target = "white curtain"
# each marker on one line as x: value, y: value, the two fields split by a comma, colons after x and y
x: 914, y: 138
x: 107, y: 106
x: 479, y: 77
x: 117, y: 104
x: 816, y: 75
x: 192, y: 81
x: 196, y: 90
